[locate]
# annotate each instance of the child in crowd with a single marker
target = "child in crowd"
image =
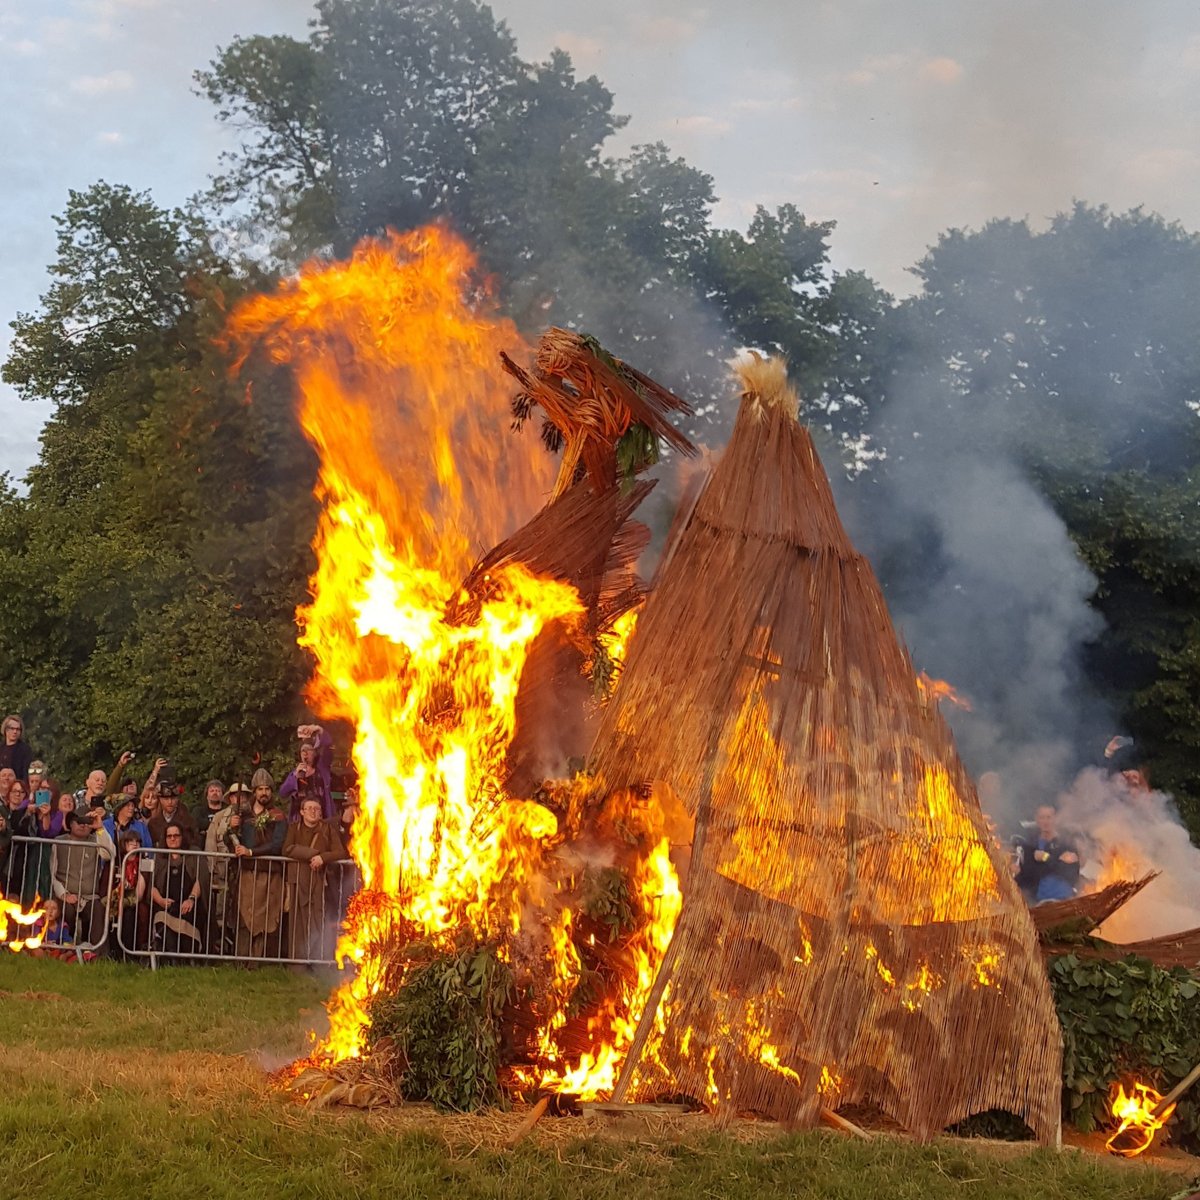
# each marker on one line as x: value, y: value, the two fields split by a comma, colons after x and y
x: 55, y: 933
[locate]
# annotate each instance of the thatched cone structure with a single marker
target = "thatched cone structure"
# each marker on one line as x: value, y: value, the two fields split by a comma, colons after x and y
x: 849, y: 934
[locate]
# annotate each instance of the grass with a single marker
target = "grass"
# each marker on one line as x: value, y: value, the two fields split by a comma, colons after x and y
x: 118, y: 1082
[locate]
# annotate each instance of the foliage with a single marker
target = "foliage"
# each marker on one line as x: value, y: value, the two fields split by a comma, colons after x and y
x: 1125, y: 1020
x: 604, y: 896
x: 445, y: 1019
x: 153, y: 568
x: 170, y: 511
x: 1068, y: 353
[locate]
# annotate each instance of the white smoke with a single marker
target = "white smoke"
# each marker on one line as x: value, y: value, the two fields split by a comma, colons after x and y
x: 1124, y: 833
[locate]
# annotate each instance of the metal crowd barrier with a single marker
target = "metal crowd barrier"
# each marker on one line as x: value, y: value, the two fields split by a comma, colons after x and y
x: 76, y: 874
x: 189, y: 905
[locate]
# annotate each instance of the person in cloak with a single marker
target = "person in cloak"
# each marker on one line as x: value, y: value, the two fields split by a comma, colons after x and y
x: 261, y: 883
x: 1048, y: 862
x: 312, y: 843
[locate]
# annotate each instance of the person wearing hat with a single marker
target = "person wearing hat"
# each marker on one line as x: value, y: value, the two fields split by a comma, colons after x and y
x: 124, y: 818
x: 221, y: 880
x: 260, y: 885
x: 79, y: 866
x: 171, y: 811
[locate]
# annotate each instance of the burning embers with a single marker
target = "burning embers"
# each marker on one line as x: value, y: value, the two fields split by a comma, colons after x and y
x: 400, y: 394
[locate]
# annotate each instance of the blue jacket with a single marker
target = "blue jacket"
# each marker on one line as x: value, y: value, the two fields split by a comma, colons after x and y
x: 137, y: 826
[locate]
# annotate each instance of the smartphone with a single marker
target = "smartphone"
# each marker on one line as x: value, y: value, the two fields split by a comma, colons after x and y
x: 41, y: 797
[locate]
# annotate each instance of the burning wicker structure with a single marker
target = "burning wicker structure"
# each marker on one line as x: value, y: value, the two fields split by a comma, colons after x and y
x: 849, y: 933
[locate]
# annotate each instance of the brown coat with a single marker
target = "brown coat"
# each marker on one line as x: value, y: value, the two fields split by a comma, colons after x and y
x: 306, y: 886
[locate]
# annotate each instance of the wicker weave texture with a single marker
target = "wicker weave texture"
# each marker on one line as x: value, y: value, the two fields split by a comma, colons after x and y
x: 849, y: 934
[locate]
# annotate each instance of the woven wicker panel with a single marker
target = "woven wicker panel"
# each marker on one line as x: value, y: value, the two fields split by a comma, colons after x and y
x: 850, y: 934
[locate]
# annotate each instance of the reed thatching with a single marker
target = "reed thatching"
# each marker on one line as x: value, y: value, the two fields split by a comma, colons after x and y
x: 588, y: 539
x: 585, y: 535
x: 1081, y: 914
x: 850, y: 934
x: 1169, y: 950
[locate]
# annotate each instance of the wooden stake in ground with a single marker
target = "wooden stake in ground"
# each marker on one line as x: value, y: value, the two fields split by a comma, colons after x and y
x: 532, y: 1117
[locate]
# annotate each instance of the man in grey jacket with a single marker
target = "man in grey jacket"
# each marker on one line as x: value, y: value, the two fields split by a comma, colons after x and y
x: 81, y: 875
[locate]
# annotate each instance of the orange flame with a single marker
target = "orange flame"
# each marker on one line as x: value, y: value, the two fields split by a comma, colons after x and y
x: 1139, y: 1120
x: 394, y: 356
x: 13, y: 919
x: 935, y: 690
x: 657, y: 888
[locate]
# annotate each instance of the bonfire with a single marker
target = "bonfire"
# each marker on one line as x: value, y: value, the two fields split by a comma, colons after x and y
x: 715, y: 846
x: 507, y: 930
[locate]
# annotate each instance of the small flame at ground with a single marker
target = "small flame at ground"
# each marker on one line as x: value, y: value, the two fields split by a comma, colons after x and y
x: 1138, y: 1121
x: 13, y: 919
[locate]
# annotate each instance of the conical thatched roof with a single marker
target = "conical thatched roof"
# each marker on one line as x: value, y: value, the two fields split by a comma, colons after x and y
x: 849, y: 934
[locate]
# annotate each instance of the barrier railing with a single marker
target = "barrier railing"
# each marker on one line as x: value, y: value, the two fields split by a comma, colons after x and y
x: 196, y: 906
x: 77, y: 874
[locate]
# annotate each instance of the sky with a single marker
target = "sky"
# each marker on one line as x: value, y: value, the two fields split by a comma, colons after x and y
x: 898, y: 119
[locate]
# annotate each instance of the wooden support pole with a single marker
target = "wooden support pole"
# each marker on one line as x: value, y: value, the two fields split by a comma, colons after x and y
x: 532, y: 1117
x: 835, y: 1121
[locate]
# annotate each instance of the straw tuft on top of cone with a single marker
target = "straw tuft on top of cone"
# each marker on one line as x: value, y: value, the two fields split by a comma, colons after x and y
x: 765, y: 380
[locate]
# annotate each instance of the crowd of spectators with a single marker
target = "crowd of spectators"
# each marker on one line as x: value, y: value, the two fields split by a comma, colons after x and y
x: 252, y: 871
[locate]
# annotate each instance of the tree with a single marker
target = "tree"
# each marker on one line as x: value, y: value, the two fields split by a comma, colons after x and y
x: 162, y: 547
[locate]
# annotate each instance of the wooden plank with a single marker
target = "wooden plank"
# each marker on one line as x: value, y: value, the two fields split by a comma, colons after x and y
x: 615, y: 1108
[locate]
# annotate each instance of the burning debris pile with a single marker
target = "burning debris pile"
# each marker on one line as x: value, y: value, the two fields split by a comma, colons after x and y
x: 845, y: 932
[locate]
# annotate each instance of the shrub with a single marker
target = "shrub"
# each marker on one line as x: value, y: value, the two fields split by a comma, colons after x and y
x: 1123, y: 1020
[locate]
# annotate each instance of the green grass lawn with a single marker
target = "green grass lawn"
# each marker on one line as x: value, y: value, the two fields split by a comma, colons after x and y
x: 118, y: 1082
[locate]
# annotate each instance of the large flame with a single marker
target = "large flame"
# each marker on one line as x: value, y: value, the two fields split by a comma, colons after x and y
x: 394, y: 355
x: 1139, y: 1120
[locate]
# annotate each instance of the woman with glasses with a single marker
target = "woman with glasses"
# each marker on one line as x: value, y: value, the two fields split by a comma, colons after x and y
x: 175, y: 897
x: 21, y: 870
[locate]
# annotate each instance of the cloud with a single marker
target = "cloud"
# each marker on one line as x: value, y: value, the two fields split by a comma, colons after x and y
x: 703, y: 125
x: 873, y: 67
x: 103, y: 85
x: 668, y: 30
x: 585, y: 51
x: 768, y: 105
x: 25, y: 47
x: 940, y: 70
x: 110, y: 137
x: 1159, y: 165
